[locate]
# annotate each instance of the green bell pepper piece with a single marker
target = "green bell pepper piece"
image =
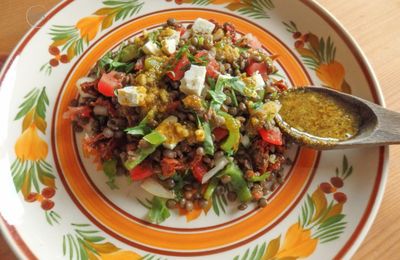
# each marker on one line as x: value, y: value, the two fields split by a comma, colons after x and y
x: 154, y: 139
x: 233, y: 126
x: 238, y: 182
x: 129, y: 53
x: 211, y: 188
x: 260, y: 178
x: 208, y: 142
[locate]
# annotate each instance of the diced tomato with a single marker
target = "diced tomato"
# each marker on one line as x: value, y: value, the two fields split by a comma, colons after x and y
x: 220, y: 133
x: 198, y: 170
x: 141, y: 172
x: 201, y: 53
x: 169, y: 166
x: 253, y: 66
x: 272, y: 136
x: 182, y: 30
x: 280, y: 85
x: 212, y: 65
x: 108, y: 83
x: 277, y: 164
x: 180, y: 68
x: 212, y: 68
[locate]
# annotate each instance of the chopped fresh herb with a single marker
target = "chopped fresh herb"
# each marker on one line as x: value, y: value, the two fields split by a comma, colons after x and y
x: 178, y: 185
x: 110, y: 169
x: 211, y: 82
x: 218, y: 96
x: 108, y: 63
x: 208, y: 141
x: 152, y: 36
x: 184, y: 49
x: 234, y: 99
x: 158, y: 212
x: 256, y: 105
x: 242, y: 49
x: 142, y: 128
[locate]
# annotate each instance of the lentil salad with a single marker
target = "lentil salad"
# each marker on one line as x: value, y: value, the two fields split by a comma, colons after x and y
x: 188, y: 111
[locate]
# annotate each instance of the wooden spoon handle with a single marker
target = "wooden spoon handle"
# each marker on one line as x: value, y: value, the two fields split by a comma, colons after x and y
x: 388, y: 127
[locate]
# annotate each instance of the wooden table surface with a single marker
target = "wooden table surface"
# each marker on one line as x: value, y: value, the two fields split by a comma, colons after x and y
x: 376, y: 27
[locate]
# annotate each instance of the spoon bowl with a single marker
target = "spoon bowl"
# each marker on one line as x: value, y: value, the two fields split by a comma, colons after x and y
x: 378, y: 126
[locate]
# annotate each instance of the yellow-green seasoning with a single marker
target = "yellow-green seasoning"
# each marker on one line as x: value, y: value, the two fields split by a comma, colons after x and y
x: 318, y: 115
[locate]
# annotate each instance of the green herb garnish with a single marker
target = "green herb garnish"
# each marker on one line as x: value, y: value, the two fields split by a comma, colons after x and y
x: 158, y: 212
x: 110, y: 169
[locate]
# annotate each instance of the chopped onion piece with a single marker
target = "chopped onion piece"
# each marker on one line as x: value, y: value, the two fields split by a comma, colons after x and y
x: 100, y: 110
x: 81, y: 81
x: 220, y: 163
x: 245, y: 140
x: 154, y: 187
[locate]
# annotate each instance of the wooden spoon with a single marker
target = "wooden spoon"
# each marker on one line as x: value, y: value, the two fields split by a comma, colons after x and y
x: 378, y: 126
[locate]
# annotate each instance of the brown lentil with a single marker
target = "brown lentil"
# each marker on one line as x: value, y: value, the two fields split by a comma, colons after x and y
x: 242, y: 206
x: 171, y: 204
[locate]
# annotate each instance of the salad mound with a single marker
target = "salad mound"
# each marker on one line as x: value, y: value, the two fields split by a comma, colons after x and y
x: 189, y: 112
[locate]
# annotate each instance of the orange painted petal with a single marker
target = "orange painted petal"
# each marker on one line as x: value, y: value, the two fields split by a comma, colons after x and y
x: 301, y: 250
x: 89, y: 26
x: 235, y: 6
x: 104, y: 248
x: 26, y: 185
x: 306, y: 52
x: 292, y: 236
x: 219, y: 2
x: 71, y: 51
x: 298, y: 243
x: 122, y: 254
x: 320, y: 203
x: 47, y: 181
x: 30, y: 146
x: 272, y: 249
x: 331, y: 74
x: 335, y: 210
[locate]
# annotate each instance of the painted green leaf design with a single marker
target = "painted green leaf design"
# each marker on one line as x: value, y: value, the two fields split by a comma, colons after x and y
x: 219, y: 202
x: 252, y: 254
x: 27, y: 105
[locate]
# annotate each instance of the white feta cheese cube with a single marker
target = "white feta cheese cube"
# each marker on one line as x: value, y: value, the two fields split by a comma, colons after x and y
x: 168, y: 46
x: 258, y: 79
x: 151, y: 48
x: 193, y: 81
x: 203, y: 26
x: 132, y: 96
x: 176, y: 36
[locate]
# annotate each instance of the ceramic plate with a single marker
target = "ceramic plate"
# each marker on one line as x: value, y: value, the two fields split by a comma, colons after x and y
x: 56, y: 205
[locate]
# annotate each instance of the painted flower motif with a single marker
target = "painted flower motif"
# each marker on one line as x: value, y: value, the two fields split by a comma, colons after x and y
x: 89, y: 26
x: 298, y: 243
x: 319, y: 222
x: 74, y: 38
x: 57, y: 56
x: 319, y: 54
x: 88, y: 243
x: 30, y: 146
x: 122, y: 254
